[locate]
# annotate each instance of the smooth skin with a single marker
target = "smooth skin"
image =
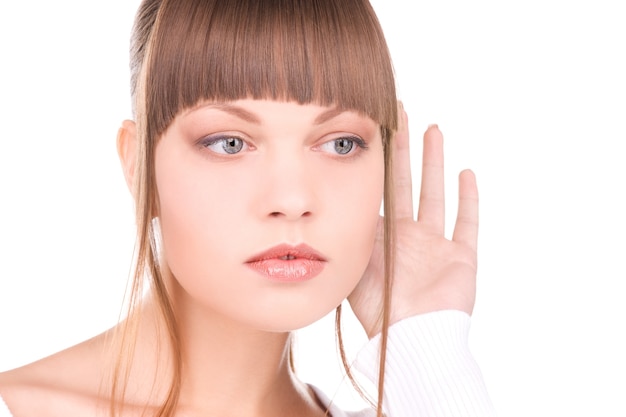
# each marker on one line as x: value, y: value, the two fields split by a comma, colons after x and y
x: 432, y: 273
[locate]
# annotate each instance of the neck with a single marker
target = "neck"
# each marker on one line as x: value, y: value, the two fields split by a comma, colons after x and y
x: 227, y: 368
x: 228, y: 363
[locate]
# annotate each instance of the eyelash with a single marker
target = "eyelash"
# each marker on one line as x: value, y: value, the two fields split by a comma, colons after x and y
x: 212, y: 140
x: 354, y: 140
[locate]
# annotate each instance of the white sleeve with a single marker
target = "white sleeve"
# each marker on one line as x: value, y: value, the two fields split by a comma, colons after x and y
x: 429, y: 370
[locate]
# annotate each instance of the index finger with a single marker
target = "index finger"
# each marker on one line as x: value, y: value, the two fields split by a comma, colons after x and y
x: 403, y: 183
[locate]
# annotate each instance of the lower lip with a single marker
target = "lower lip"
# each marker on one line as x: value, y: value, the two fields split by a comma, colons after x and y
x: 294, y: 270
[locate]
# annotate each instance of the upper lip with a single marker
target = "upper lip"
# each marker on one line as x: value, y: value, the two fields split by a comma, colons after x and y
x: 285, y: 251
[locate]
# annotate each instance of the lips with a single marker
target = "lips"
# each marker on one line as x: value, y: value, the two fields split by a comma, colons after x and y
x: 286, y: 263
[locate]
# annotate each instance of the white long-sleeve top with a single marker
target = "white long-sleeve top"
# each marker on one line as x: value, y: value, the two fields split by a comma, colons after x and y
x: 430, y: 371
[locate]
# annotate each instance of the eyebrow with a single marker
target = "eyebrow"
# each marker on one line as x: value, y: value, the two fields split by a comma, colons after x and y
x: 252, y: 118
x: 327, y: 115
x: 237, y: 111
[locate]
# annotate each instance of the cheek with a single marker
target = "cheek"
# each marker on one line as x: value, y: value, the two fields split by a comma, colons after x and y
x: 200, y: 216
x: 203, y: 222
x: 347, y: 228
x: 205, y: 227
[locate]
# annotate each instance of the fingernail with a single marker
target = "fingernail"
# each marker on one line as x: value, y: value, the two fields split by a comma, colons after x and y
x: 433, y: 126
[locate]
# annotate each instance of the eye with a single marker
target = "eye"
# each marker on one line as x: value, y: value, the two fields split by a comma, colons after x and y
x: 226, y: 145
x: 343, y: 145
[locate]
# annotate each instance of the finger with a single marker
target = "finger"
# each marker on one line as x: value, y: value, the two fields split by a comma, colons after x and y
x: 432, y: 201
x: 403, y: 184
x: 466, y: 228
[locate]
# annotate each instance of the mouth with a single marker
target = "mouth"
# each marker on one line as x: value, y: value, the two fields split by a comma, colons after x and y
x: 287, y: 263
x: 288, y: 252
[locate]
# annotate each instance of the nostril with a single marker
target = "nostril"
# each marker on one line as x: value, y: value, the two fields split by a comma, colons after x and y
x: 278, y: 214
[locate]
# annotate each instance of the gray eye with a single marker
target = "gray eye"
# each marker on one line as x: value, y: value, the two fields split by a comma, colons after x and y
x: 225, y: 145
x: 232, y: 145
x: 343, y: 145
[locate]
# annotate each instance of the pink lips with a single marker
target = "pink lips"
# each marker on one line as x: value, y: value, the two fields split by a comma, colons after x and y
x: 288, y: 263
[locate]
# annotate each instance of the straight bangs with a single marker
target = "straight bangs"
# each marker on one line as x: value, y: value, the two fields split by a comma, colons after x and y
x: 328, y: 52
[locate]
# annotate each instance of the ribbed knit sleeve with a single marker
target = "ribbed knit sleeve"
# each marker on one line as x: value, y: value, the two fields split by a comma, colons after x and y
x: 429, y: 370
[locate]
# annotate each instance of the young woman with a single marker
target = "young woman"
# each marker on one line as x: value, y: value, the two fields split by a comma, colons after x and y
x: 266, y: 136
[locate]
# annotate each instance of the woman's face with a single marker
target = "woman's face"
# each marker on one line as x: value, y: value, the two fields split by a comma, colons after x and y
x: 268, y: 210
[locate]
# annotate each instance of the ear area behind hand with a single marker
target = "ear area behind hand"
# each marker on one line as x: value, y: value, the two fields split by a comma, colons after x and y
x: 127, y: 151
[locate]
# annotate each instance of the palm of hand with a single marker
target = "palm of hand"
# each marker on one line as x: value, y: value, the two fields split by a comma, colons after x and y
x: 431, y: 272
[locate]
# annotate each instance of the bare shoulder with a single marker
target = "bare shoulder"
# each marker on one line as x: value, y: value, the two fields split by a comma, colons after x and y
x: 67, y: 383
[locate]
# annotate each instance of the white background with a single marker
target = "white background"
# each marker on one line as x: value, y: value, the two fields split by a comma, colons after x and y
x: 531, y: 95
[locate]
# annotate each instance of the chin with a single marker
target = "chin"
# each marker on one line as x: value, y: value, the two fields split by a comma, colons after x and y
x: 290, y: 324
x: 288, y: 321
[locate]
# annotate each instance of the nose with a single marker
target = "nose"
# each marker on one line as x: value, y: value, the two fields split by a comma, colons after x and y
x: 287, y: 187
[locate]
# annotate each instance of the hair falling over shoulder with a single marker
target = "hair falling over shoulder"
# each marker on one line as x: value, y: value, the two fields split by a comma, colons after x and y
x: 328, y: 52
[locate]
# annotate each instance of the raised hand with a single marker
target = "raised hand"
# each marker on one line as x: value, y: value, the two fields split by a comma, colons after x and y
x: 432, y: 273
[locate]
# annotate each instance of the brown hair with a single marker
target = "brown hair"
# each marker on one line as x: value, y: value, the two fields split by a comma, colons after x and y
x: 328, y: 52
